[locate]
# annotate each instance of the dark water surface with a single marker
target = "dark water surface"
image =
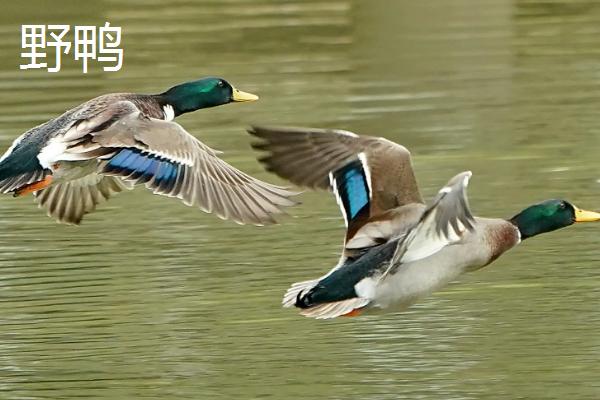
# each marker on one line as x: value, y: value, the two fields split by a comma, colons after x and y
x: 150, y: 299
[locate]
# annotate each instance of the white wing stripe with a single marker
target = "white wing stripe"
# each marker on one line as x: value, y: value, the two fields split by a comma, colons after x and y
x: 333, y: 183
x: 363, y: 160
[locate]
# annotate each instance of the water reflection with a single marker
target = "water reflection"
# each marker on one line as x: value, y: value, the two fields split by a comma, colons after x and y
x: 151, y: 299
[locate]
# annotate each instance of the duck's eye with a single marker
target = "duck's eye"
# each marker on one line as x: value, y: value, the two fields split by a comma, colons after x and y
x: 563, y: 205
x: 221, y: 84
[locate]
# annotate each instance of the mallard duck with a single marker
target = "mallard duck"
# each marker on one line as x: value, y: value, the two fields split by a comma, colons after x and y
x: 396, y: 249
x: 112, y: 142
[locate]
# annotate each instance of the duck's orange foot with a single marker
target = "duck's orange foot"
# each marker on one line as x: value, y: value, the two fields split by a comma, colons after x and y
x: 33, y: 187
x: 354, y: 313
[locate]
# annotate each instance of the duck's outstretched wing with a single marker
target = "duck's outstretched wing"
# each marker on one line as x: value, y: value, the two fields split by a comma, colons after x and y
x: 68, y: 202
x: 368, y: 175
x: 171, y: 162
x: 443, y: 223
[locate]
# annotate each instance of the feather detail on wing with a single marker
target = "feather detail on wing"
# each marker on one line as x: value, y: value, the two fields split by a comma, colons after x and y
x: 368, y: 175
x: 352, y: 190
x: 68, y: 202
x: 380, y: 229
x: 306, y: 157
x: 443, y: 223
x: 15, y: 182
x: 173, y: 163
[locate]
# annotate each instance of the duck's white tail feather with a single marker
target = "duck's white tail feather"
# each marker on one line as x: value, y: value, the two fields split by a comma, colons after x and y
x: 69, y: 201
x: 289, y: 299
x: 335, y: 309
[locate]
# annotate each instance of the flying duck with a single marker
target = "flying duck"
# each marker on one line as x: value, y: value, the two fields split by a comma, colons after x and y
x: 112, y: 142
x: 396, y: 249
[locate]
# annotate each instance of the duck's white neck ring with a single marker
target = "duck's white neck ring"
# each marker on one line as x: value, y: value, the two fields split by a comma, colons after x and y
x: 169, y: 112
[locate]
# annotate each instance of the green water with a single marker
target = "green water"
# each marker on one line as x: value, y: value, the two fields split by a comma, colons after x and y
x: 150, y: 299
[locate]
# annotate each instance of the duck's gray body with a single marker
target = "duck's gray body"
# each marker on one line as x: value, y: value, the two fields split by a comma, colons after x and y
x: 392, y: 285
x: 413, y: 280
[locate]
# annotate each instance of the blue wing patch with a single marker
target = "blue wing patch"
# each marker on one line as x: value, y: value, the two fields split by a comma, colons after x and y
x: 352, y: 188
x: 143, y: 166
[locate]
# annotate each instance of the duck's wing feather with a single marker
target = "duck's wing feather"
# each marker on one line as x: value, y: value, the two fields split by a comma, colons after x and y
x: 15, y: 182
x: 442, y: 224
x: 68, y: 202
x: 368, y: 175
x: 307, y: 157
x: 172, y: 162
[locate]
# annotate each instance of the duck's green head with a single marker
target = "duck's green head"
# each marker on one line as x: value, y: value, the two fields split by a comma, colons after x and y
x: 550, y: 215
x: 203, y: 93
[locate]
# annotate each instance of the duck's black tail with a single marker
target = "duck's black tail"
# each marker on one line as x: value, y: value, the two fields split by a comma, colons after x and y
x: 300, y: 294
x: 19, y: 166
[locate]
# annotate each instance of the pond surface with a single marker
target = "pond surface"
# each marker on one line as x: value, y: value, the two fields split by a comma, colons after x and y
x: 150, y: 299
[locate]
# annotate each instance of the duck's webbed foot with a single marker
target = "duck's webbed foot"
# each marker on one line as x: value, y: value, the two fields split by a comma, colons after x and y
x: 33, y: 187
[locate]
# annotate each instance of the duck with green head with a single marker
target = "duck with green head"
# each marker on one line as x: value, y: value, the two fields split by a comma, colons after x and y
x: 114, y: 141
x: 396, y: 248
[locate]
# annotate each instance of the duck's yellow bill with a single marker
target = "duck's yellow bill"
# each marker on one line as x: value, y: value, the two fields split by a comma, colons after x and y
x: 586, y: 216
x: 238, y: 95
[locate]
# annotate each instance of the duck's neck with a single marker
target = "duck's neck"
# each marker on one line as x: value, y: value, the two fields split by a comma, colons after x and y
x: 177, y: 105
x: 518, y: 223
x: 187, y: 97
x: 172, y: 106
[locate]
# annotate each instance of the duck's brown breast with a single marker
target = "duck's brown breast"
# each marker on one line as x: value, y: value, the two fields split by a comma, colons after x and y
x: 500, y: 236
